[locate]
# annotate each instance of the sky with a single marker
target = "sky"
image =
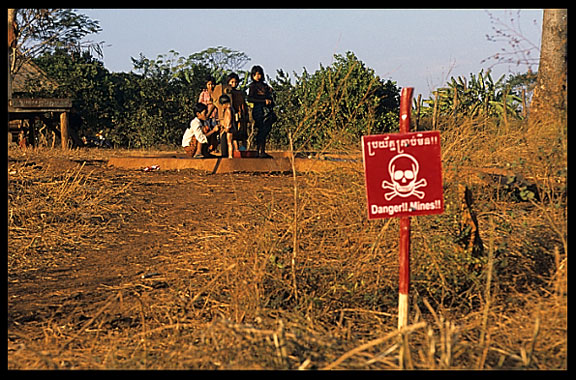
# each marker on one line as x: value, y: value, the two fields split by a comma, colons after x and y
x: 415, y: 48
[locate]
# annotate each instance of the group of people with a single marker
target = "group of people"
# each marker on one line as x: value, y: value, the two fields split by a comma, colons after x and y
x: 222, y: 117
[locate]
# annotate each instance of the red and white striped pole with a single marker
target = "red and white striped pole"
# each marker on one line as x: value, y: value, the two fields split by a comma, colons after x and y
x: 404, y: 244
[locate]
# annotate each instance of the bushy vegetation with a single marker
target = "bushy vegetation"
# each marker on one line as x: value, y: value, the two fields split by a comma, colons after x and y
x: 151, y: 105
x: 326, y: 110
x: 480, y: 96
x: 334, y: 106
x: 148, y: 106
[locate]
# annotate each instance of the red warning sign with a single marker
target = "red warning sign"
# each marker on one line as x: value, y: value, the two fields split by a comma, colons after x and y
x: 403, y: 173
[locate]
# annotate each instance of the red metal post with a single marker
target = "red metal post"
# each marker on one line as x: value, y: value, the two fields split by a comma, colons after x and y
x: 404, y: 244
x: 405, y: 107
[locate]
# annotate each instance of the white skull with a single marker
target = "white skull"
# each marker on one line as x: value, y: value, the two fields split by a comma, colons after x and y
x: 403, y: 170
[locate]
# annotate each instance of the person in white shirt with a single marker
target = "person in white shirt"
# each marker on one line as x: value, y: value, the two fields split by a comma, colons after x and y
x: 200, y: 138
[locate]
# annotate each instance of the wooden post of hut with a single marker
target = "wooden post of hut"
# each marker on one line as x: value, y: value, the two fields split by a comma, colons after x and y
x: 64, y: 129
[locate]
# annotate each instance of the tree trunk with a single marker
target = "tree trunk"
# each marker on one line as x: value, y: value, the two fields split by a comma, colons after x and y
x: 549, y: 102
x: 11, y: 46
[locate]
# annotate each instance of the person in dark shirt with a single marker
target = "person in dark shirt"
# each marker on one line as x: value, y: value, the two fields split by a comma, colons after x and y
x: 261, y: 95
x: 240, y: 108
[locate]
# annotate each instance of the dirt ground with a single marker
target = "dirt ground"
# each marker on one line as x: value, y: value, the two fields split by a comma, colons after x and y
x: 137, y: 242
x: 114, y: 268
x: 139, y: 235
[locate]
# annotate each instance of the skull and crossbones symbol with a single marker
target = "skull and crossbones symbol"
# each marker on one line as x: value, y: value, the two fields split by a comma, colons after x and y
x: 403, y: 170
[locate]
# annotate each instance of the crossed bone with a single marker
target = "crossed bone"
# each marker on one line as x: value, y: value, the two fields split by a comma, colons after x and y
x: 392, y: 186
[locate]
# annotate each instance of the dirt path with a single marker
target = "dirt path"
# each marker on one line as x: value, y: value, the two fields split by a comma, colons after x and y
x: 161, y: 228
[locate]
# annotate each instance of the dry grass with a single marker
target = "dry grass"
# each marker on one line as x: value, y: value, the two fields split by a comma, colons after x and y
x: 303, y: 280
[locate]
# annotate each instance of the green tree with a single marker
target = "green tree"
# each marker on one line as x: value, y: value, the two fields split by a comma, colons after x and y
x: 220, y: 60
x: 335, y: 106
x: 40, y: 31
x: 151, y: 105
x: 84, y: 79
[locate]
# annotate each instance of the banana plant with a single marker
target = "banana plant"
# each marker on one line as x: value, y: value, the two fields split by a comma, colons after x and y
x: 478, y: 96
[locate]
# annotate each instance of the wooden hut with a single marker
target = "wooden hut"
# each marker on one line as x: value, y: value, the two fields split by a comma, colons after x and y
x: 23, y: 111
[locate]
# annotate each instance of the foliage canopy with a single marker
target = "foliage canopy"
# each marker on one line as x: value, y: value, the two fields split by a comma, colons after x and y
x: 152, y: 104
x: 334, y: 106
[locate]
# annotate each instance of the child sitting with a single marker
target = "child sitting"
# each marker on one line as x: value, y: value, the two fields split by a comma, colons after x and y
x: 200, y: 137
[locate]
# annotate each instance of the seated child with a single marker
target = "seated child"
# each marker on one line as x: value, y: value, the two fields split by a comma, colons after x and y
x: 227, y: 142
x: 200, y: 137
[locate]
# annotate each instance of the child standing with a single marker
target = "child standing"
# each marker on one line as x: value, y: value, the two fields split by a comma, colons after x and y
x: 200, y: 137
x: 206, y: 97
x: 240, y: 108
x: 260, y: 94
x: 227, y: 142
